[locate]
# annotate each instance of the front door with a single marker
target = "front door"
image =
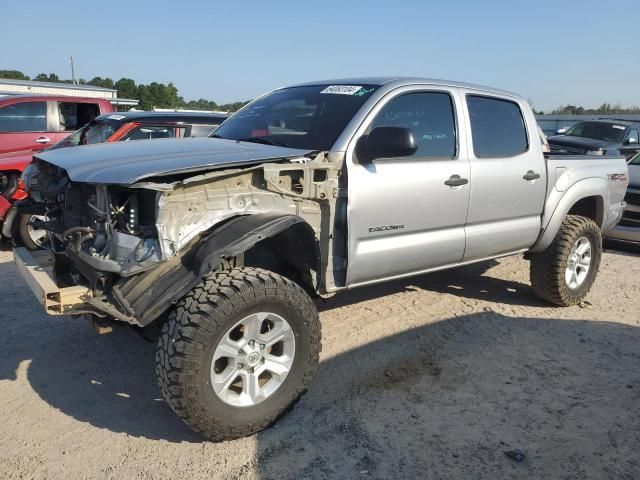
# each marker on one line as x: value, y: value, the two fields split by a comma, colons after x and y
x: 23, y: 126
x: 406, y: 215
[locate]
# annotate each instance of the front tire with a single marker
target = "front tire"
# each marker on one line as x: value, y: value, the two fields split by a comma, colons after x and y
x: 32, y: 238
x: 237, y: 351
x: 564, y: 273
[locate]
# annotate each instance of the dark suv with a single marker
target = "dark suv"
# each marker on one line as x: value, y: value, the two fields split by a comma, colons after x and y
x: 597, y: 137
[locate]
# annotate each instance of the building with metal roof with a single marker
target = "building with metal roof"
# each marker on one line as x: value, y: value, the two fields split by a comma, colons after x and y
x: 33, y: 87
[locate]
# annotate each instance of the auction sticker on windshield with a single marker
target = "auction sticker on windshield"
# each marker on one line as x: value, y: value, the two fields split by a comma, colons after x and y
x: 342, y: 89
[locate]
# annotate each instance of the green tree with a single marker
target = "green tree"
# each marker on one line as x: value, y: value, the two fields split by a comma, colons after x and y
x: 101, y: 82
x: 126, y: 88
x: 43, y: 77
x: 13, y: 75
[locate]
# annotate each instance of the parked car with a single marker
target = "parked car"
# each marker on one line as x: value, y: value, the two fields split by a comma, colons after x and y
x: 308, y: 190
x: 597, y: 137
x: 32, y: 122
x: 120, y: 127
x: 628, y: 230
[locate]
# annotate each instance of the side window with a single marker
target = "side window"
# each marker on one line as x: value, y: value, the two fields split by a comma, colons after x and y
x: 150, y: 132
x: 497, y: 127
x: 75, y: 115
x: 632, y: 136
x: 429, y: 116
x: 24, y: 117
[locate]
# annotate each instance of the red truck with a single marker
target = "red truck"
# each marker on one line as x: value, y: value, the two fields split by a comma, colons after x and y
x: 34, y: 122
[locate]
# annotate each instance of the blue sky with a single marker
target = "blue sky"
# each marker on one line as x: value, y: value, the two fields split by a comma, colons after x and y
x: 551, y: 52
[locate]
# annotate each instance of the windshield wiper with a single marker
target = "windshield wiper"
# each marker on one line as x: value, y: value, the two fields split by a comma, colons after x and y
x: 262, y: 140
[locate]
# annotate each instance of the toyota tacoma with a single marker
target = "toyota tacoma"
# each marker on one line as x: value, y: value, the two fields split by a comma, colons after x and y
x: 221, y: 243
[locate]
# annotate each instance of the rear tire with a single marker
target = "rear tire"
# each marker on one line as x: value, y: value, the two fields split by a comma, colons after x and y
x: 221, y: 343
x: 564, y: 273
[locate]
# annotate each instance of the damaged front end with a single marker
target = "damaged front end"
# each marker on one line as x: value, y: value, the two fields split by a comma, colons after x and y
x: 119, y: 243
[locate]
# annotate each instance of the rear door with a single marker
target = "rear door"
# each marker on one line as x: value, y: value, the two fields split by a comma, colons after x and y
x: 402, y: 216
x: 23, y: 126
x: 508, y: 176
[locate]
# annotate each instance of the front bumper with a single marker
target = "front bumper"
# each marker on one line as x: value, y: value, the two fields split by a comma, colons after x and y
x: 35, y: 268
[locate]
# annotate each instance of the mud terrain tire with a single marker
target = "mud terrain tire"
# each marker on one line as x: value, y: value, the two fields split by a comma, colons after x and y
x: 550, y: 270
x: 204, y: 320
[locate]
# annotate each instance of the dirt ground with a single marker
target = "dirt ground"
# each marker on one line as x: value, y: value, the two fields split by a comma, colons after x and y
x: 432, y: 377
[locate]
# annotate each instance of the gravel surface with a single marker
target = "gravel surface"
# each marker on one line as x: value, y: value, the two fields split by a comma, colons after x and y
x: 459, y: 374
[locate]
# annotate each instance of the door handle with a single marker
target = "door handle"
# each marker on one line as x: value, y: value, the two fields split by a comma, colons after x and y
x: 456, y: 181
x: 43, y: 140
x: 531, y: 175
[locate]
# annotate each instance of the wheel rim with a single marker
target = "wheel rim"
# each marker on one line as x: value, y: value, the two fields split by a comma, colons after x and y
x: 253, y: 359
x: 37, y: 235
x: 579, y: 263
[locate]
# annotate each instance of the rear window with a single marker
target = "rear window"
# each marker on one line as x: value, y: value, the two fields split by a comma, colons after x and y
x: 24, y: 117
x: 497, y: 127
x: 202, y: 130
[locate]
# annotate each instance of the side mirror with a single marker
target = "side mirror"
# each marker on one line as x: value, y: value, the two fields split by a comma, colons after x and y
x: 389, y: 142
x: 562, y: 131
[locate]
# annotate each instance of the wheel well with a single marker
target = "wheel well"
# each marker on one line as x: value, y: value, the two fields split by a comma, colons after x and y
x: 292, y: 253
x: 590, y: 207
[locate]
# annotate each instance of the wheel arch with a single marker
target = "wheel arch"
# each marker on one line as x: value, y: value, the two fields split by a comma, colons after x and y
x: 148, y: 295
x: 584, y: 198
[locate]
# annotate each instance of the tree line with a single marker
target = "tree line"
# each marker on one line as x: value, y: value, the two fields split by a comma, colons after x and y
x: 150, y: 96
x: 604, y: 109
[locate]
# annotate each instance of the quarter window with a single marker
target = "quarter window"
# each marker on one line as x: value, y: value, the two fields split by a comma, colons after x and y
x: 429, y: 116
x: 24, y: 117
x: 497, y: 127
x: 633, y: 134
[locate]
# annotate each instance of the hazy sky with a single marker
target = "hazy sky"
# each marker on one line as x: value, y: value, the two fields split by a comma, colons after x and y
x: 551, y: 52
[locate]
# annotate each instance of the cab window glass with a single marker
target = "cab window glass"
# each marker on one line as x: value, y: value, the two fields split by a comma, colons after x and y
x: 24, y: 117
x: 150, y: 132
x: 633, y: 136
x: 429, y: 116
x: 497, y: 127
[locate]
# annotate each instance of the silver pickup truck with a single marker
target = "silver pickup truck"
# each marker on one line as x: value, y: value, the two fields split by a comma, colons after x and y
x: 222, y: 242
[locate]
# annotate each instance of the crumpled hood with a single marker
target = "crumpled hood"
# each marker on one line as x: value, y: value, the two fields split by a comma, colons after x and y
x: 125, y: 163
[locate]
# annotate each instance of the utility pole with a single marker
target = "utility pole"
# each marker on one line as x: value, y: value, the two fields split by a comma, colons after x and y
x: 73, y: 71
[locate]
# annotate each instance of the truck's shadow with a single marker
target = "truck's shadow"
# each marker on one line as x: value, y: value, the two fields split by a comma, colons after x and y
x: 392, y: 408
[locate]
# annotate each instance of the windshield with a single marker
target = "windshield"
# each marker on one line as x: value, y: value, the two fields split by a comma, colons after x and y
x: 608, y: 132
x: 309, y: 118
x: 93, y: 132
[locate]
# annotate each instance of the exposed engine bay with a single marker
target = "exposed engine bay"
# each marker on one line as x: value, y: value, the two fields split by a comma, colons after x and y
x: 103, y: 235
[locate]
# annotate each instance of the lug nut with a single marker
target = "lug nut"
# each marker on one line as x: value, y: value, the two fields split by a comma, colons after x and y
x: 252, y: 343
x: 241, y: 352
x: 262, y: 346
x: 240, y: 366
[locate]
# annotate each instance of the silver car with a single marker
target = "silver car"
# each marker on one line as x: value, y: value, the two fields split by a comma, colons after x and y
x: 628, y: 230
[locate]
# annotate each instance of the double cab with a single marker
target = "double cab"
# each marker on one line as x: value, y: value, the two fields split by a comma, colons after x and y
x: 221, y: 243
